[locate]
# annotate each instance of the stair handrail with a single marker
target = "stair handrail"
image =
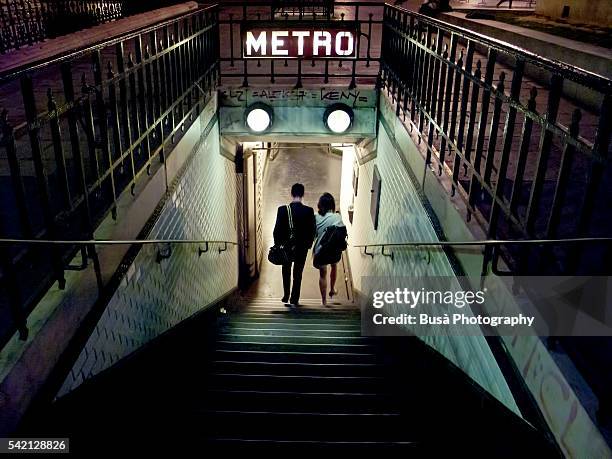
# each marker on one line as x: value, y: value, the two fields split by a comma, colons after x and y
x: 113, y: 241
x: 486, y: 242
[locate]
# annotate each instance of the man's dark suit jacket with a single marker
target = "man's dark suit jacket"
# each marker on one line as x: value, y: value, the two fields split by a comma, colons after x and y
x: 304, y: 226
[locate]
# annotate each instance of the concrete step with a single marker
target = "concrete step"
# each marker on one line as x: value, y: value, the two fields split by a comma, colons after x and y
x: 246, y: 344
x: 298, y: 383
x: 255, y: 336
x: 305, y: 426
x: 289, y: 330
x: 340, y: 402
x: 295, y: 314
x: 298, y: 368
x: 301, y: 356
x: 244, y: 445
x: 280, y: 323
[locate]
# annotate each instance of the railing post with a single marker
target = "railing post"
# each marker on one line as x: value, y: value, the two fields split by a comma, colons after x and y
x: 114, y: 123
x: 8, y: 140
x: 567, y: 161
x: 515, y: 92
x: 469, y: 139
x: 482, y: 126
x: 494, y: 130
x: 73, y: 131
x: 133, y: 112
x: 455, y: 106
x: 433, y: 103
x: 145, y: 120
x: 29, y: 102
x: 467, y: 68
x: 447, y: 98
x: 11, y: 285
x: 554, y: 97
x: 60, y: 157
x: 104, y: 131
x: 523, y: 151
x: 596, y: 175
x: 120, y: 114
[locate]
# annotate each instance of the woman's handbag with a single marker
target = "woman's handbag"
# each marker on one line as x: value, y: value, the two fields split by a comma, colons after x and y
x: 283, y: 254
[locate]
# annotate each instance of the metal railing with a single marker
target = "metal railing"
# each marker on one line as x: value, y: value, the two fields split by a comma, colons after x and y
x: 302, y: 8
x: 25, y: 22
x: 87, y: 247
x: 497, y: 120
x: 351, y: 71
x: 494, y: 253
x: 67, y: 154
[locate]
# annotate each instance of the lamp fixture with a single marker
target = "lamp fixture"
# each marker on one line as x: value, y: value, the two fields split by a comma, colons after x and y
x: 258, y: 117
x: 338, y: 118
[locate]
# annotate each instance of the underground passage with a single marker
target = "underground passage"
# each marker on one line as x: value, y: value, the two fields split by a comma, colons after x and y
x: 305, y: 226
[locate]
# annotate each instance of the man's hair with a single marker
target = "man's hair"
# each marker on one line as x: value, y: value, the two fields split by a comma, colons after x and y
x: 297, y: 190
x: 326, y: 204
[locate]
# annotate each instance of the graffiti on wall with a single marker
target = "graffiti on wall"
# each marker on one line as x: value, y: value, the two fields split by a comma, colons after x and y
x: 309, y: 97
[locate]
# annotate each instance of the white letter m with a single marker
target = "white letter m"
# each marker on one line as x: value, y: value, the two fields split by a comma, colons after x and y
x: 256, y: 44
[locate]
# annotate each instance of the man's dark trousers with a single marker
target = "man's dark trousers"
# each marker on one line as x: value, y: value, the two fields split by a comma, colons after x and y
x: 298, y: 268
x: 304, y: 230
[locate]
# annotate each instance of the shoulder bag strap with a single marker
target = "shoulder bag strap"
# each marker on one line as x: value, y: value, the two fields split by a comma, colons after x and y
x: 290, y: 218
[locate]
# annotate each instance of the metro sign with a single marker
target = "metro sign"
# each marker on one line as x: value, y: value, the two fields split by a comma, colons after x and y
x: 300, y: 41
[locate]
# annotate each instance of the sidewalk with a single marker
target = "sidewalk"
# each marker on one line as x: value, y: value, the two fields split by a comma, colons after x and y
x: 520, y: 5
x: 28, y: 56
x: 595, y: 59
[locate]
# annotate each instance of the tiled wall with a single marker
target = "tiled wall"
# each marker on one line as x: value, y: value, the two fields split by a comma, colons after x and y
x: 403, y: 218
x: 153, y: 296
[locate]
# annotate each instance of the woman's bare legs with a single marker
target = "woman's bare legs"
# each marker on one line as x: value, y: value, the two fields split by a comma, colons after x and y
x: 323, y: 284
x: 332, y: 280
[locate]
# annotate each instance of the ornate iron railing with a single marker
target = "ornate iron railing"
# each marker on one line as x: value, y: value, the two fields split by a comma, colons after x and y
x: 512, y: 133
x: 25, y: 22
x: 66, y: 153
x: 303, y: 8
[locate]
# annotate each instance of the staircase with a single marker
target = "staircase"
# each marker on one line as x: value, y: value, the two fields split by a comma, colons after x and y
x: 263, y: 377
x: 299, y: 377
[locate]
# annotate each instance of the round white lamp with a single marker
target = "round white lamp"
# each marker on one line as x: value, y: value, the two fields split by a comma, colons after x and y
x: 258, y: 117
x: 338, y: 118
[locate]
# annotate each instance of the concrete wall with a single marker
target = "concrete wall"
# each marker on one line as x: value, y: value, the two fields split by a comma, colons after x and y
x: 153, y: 297
x: 403, y: 218
x: 580, y: 11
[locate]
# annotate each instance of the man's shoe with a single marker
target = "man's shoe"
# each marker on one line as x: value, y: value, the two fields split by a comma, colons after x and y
x: 284, y: 299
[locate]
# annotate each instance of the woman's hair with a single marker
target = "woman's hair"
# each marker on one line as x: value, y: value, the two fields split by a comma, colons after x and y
x: 326, y: 204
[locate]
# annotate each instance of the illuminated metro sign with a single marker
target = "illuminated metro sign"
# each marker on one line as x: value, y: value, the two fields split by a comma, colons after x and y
x: 328, y: 40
